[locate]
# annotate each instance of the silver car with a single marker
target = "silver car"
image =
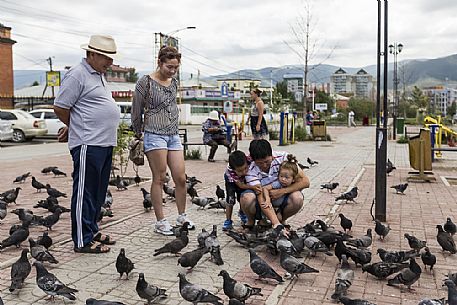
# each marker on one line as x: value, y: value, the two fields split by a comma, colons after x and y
x: 6, y: 131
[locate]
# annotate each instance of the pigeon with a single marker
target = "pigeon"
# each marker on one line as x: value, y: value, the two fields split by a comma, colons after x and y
x: 108, y: 200
x: 189, y: 179
x: 238, y: 291
x: 175, y: 245
x: 40, y: 253
x: 123, y: 264
x: 432, y: 302
x: 303, y: 167
x: 121, y: 184
x: 45, y: 240
x: 344, y: 278
x: 192, y: 192
x: 407, y: 276
x: 57, y: 172
x: 15, y: 227
x: 445, y: 240
x: 381, y: 270
x: 428, y: 259
x: 46, y: 203
x: 400, y: 188
x: 311, y: 162
x: 50, y: 206
x: 261, y: 268
x: 396, y: 256
x: 201, y: 237
x: 147, y: 291
x: 170, y: 191
x: 294, y: 266
x: 17, y: 237
x: 415, y: 243
x: 10, y: 195
x: 20, y: 270
x: 349, y: 196
x: 235, y: 302
x: 381, y: 229
x: 92, y: 301
x: 37, y: 185
x: 3, y: 210
x: 137, y: 180
x: 220, y: 204
x: 202, y: 202
x: 348, y: 301
x: 195, y: 294
x: 314, y: 245
x: 214, y: 247
x: 220, y: 193
x: 389, y: 167
x: 361, y: 242
x: 51, y: 285
x: 345, y: 223
x: 190, y: 259
x: 21, y: 178
x: 51, y: 220
x: 452, y: 276
x: 284, y: 244
x: 330, y: 186
x: 26, y: 215
x: 359, y: 256
x: 451, y: 292
x: 104, y: 213
x: 54, y: 192
x: 450, y: 227
x: 48, y: 169
x: 147, y: 202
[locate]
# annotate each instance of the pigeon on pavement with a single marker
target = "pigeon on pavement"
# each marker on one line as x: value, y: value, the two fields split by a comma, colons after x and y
x: 192, y: 192
x: 147, y: 291
x: 45, y: 240
x: 202, y: 202
x: 381, y: 229
x: 51, y: 285
x: 330, y: 186
x: 137, y: 180
x: 20, y: 270
x: 10, y: 195
x: 220, y: 204
x: 451, y: 292
x: 432, y: 302
x: 389, y: 167
x: 236, y: 290
x: 293, y: 266
x: 201, y: 237
x: 261, y: 268
x: 344, y: 278
x: 37, y: 185
x: 190, y: 259
x: 348, y: 301
x: 195, y: 294
x: 17, y: 237
x: 57, y: 172
x: 345, y: 222
x: 121, y: 184
x: 349, y: 196
x: 381, y: 270
x: 26, y: 215
x: 407, y: 276
x: 92, y: 301
x: 220, y: 193
x: 396, y: 256
x: 311, y: 162
x: 123, y: 264
x: 450, y: 227
x: 415, y: 243
x: 3, y: 210
x: 54, y: 192
x: 235, y: 302
x: 147, y: 202
x: 51, y: 220
x: 213, y: 245
x: 174, y: 246
x: 428, y: 259
x: 400, y: 188
x: 108, y: 200
x: 21, y: 178
x: 48, y: 169
x: 445, y: 240
x: 363, y: 241
x: 314, y: 245
x: 170, y: 191
x: 40, y: 253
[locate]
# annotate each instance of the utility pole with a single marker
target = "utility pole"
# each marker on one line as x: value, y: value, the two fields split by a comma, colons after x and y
x: 305, y: 76
x: 50, y: 69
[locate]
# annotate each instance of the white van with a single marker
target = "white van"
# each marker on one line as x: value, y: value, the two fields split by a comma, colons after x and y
x: 126, y: 112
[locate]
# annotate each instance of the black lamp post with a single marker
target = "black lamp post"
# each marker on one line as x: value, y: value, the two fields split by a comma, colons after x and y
x: 395, y: 49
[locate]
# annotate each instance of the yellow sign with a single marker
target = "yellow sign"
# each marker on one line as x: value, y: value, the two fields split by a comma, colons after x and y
x: 53, y: 78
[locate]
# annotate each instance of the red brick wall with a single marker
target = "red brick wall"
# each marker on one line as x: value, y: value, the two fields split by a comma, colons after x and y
x: 6, y: 70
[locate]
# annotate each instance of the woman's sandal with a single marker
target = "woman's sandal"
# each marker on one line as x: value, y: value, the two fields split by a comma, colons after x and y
x: 106, y: 240
x: 94, y: 248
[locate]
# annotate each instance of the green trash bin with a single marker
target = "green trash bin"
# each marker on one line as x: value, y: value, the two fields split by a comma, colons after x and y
x: 400, y: 125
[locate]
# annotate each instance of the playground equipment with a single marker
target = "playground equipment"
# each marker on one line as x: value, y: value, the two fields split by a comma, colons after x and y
x: 287, y: 128
x: 437, y: 130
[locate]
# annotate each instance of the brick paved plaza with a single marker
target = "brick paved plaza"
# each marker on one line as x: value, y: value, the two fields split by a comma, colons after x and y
x: 348, y: 159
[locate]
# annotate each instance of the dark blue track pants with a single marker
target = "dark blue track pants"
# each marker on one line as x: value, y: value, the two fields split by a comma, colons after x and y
x: 91, y: 170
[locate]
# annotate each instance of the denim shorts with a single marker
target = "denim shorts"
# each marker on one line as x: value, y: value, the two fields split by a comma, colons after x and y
x: 154, y: 141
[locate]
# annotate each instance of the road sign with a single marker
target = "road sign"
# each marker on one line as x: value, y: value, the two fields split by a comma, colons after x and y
x: 321, y: 106
x: 224, y: 89
x: 228, y: 106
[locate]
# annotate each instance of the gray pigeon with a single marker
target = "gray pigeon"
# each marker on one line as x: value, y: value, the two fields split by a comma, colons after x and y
x: 220, y: 204
x: 123, y: 264
x: 293, y: 266
x: 415, y: 243
x: 381, y: 229
x: 381, y: 270
x: 220, y: 193
x: 92, y: 301
x: 37, y: 185
x: 57, y: 172
x: 45, y: 240
x: 147, y: 291
x: 451, y: 292
x: 432, y: 302
x: 20, y: 270
x: 314, y: 244
x: 213, y: 245
x: 121, y: 184
x: 40, y: 253
x: 48, y: 169
x: 201, y: 237
x: 202, y: 202
x: 407, y: 276
x: 190, y: 259
x: 329, y: 186
x: 10, y: 195
x: 284, y: 244
x: 445, y: 240
x: 53, y: 192
x: 195, y: 294
x: 344, y: 278
x: 147, y: 202
x: 51, y: 285
x: 261, y: 268
x: 51, y: 220
x: 361, y: 242
x: 108, y: 200
x: 349, y: 196
x: 450, y: 227
x: 400, y: 188
x: 348, y: 301
x: 428, y: 259
x: 3, y: 210
x: 21, y: 178
x: 17, y: 237
x: 174, y: 246
x: 235, y: 290
x: 451, y: 276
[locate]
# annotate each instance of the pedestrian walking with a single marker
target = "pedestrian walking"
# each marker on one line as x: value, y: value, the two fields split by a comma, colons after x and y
x: 91, y: 117
x: 155, y: 97
x: 257, y: 120
x: 351, y: 121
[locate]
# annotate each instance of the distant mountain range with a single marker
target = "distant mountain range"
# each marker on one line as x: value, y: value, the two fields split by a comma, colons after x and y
x: 420, y: 72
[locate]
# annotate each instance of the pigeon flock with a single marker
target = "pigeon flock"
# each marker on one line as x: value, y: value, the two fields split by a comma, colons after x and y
x: 289, y: 246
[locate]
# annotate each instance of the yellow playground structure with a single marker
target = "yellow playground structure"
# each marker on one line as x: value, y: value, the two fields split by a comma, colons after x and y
x: 438, y: 129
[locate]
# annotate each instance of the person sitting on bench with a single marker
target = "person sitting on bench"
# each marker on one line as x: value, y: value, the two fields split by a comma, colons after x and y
x: 213, y: 134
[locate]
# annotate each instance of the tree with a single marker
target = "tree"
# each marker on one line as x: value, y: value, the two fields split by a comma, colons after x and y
x: 418, y: 98
x: 361, y: 106
x: 132, y: 76
x: 324, y: 98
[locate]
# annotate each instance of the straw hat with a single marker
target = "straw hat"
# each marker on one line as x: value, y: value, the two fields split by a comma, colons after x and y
x: 213, y: 115
x: 102, y: 44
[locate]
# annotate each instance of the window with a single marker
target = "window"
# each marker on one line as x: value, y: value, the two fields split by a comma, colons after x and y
x: 7, y: 116
x: 50, y: 115
x: 36, y: 114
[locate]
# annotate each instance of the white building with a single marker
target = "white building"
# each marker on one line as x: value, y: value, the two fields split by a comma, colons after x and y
x: 360, y: 84
x: 441, y: 98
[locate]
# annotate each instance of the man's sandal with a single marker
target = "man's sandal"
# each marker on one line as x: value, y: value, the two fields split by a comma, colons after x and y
x: 103, y: 239
x: 94, y: 248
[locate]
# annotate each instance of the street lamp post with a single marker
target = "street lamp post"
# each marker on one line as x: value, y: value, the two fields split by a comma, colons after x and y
x: 395, y: 49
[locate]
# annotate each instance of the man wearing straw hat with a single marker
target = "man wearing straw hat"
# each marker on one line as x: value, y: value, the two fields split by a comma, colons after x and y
x: 85, y: 105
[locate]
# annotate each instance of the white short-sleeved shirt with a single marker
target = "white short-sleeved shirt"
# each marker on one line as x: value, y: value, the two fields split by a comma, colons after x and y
x: 256, y: 176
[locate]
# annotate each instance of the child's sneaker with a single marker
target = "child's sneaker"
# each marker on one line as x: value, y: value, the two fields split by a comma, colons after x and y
x: 163, y: 227
x: 228, y: 225
x: 243, y: 217
x: 182, y: 219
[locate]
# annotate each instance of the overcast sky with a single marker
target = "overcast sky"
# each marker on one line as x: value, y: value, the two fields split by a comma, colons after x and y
x: 229, y: 35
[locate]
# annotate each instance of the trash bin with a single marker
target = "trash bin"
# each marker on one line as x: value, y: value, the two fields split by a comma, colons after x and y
x: 400, y: 125
x: 319, y: 129
x: 365, y: 121
x: 415, y: 153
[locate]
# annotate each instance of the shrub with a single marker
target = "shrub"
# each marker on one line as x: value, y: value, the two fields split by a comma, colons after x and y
x: 193, y: 154
x: 402, y: 140
x: 274, y: 135
x: 300, y: 133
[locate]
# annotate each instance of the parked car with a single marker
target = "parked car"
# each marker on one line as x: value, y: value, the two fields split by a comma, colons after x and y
x: 6, y: 131
x: 52, y: 121
x: 25, y: 126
